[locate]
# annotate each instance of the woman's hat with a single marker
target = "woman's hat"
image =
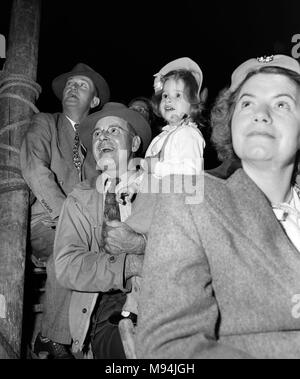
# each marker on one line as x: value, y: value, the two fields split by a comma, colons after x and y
x: 179, y: 64
x: 253, y: 64
x: 134, y: 118
x: 100, y: 84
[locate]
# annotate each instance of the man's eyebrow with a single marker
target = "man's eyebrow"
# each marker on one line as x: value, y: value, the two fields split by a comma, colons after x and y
x: 108, y: 126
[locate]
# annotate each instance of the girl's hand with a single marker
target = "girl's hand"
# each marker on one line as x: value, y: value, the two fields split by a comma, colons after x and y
x: 125, y: 193
x: 125, y: 190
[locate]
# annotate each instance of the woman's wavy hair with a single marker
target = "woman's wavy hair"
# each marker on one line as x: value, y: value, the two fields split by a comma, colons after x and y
x: 224, y: 106
x: 191, y: 91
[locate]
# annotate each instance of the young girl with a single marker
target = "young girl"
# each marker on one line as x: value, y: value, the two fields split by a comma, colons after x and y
x: 178, y: 149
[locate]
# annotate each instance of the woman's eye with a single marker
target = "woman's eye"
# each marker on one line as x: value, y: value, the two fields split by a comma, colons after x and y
x: 164, y: 96
x: 178, y: 95
x: 283, y: 105
x: 245, y: 104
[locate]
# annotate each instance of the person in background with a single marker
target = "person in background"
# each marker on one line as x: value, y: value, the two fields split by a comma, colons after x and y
x: 53, y: 161
x: 144, y: 106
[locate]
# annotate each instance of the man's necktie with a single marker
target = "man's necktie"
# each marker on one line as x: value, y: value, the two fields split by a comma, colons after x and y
x: 111, y: 206
x: 76, y: 145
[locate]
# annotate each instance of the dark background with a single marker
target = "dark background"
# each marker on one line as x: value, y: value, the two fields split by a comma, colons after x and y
x: 129, y: 41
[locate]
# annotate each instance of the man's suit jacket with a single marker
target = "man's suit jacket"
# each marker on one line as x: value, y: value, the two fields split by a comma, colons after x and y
x: 47, y: 164
x: 220, y: 279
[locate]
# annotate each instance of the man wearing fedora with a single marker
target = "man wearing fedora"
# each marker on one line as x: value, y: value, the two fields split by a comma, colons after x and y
x: 96, y: 281
x: 53, y: 162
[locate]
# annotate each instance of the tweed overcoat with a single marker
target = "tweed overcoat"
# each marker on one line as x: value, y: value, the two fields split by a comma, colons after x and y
x: 221, y: 279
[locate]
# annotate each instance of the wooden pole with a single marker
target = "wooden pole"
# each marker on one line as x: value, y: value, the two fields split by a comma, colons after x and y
x: 18, y: 92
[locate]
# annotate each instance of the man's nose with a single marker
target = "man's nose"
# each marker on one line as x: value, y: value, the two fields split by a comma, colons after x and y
x: 103, y: 135
x: 262, y: 114
x: 74, y: 86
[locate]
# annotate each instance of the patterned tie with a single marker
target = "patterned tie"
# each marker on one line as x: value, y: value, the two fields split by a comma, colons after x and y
x: 111, y: 206
x: 76, y: 145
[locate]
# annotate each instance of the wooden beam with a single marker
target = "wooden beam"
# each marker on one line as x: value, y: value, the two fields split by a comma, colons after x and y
x: 18, y: 93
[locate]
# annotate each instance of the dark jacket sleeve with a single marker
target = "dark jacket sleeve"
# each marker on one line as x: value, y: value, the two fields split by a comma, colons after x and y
x: 35, y: 159
x: 80, y: 262
x: 178, y: 313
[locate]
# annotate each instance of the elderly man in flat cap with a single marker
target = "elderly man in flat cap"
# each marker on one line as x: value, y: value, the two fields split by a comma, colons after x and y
x: 53, y: 162
x: 97, y: 281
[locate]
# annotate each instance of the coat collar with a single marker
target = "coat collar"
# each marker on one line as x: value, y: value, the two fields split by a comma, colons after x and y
x: 246, y: 210
x: 86, y: 194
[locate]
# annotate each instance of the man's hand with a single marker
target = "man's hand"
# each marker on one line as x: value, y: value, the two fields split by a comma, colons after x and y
x: 120, y: 238
x: 133, y: 266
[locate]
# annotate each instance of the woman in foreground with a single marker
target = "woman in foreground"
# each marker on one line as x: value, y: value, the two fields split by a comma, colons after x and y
x: 222, y: 277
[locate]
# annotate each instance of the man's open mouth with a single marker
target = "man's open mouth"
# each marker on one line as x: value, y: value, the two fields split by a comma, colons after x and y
x: 106, y: 149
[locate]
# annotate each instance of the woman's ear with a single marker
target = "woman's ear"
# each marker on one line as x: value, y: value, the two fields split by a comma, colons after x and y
x: 95, y: 102
x: 136, y: 143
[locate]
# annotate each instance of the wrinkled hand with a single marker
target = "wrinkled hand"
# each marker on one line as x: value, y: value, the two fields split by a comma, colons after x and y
x: 120, y: 238
x: 133, y: 266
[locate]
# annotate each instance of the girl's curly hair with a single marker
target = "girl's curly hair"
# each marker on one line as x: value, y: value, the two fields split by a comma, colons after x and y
x: 191, y: 90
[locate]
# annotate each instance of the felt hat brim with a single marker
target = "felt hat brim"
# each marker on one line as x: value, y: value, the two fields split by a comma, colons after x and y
x: 133, y: 117
x: 81, y: 69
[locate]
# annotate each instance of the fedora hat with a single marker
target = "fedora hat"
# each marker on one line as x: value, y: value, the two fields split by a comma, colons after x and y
x: 133, y: 117
x: 59, y: 83
x: 253, y: 64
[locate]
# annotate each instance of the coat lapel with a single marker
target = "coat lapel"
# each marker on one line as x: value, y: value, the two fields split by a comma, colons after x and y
x: 247, y: 212
x: 65, y: 140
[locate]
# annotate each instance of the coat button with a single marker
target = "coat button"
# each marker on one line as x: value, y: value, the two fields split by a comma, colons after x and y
x: 84, y: 310
x: 112, y: 259
x: 76, y: 342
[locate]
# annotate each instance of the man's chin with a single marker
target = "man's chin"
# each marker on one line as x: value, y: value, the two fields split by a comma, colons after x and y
x: 68, y: 101
x: 106, y: 164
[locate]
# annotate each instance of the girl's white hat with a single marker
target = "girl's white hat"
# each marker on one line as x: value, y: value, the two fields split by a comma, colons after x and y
x: 178, y: 64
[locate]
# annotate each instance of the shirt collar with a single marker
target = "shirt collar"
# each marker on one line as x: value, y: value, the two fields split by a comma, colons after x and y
x: 71, y: 121
x: 169, y: 128
x: 290, y: 207
x: 107, y: 180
